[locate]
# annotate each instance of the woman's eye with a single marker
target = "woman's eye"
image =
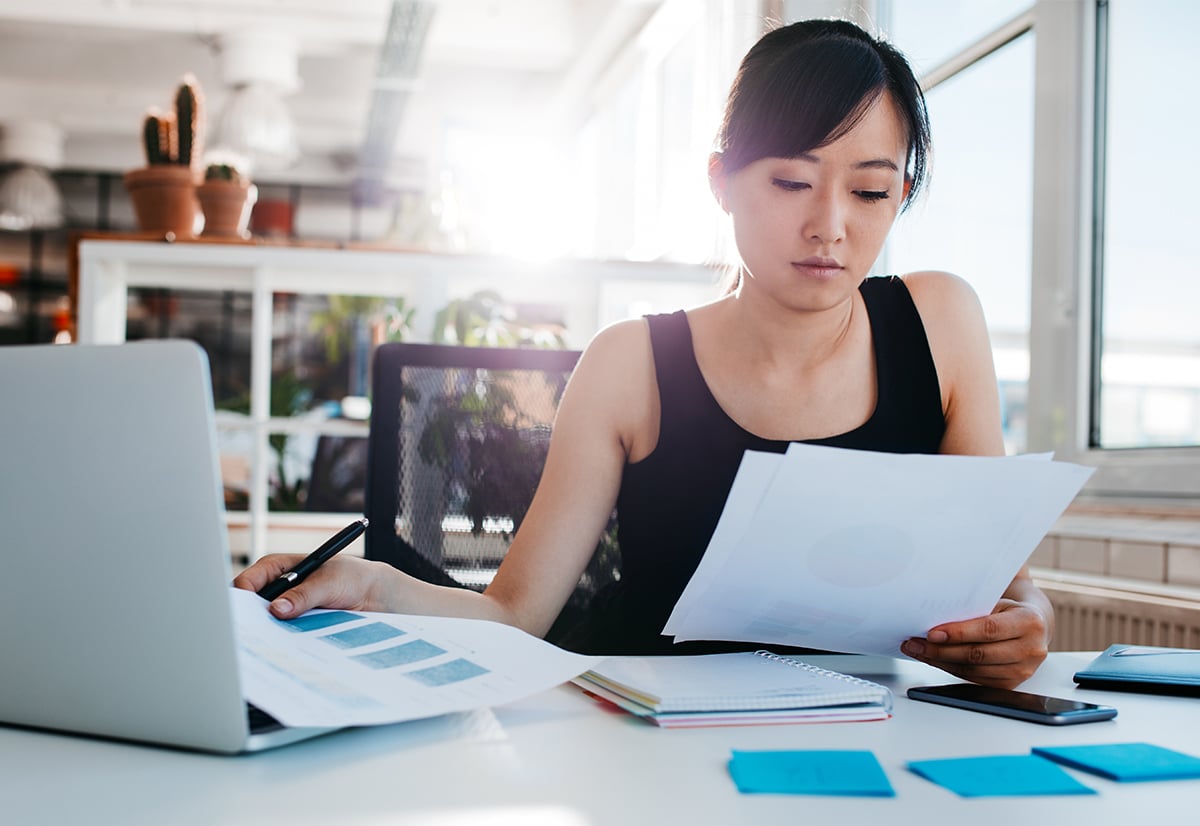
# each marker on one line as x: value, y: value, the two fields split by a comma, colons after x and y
x: 789, y: 186
x: 873, y: 194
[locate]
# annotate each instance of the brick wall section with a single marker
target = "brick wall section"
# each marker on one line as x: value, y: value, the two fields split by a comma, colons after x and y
x: 1128, y: 578
x: 1162, y: 550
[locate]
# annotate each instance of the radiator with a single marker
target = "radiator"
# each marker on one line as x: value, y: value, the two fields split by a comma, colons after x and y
x: 1091, y: 617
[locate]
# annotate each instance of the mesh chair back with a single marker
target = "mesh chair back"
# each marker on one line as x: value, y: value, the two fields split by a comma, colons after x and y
x: 458, y: 440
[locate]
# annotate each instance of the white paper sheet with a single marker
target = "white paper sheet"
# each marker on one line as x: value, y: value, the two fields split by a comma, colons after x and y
x: 343, y: 668
x: 749, y: 486
x: 856, y: 551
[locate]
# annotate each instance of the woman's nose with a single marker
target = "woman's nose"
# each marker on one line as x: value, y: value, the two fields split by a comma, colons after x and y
x: 825, y: 222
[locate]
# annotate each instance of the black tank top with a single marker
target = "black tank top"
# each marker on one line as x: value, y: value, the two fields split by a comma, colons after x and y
x: 669, y: 502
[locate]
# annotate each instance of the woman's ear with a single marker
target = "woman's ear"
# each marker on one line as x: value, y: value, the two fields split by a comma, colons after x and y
x: 907, y: 188
x: 717, y: 179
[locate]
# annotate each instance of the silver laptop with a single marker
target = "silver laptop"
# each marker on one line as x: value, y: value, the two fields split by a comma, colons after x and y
x: 115, y: 617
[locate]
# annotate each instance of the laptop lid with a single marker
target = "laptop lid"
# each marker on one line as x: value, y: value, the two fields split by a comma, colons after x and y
x: 114, y: 606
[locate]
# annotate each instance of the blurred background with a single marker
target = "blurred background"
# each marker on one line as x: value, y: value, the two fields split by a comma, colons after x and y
x: 535, y: 131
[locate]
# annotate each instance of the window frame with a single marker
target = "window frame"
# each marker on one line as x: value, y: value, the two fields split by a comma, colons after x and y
x: 1065, y: 268
x: 1067, y: 276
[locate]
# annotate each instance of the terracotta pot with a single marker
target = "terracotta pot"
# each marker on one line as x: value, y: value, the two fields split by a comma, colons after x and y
x: 272, y: 219
x: 226, y: 206
x: 164, y: 198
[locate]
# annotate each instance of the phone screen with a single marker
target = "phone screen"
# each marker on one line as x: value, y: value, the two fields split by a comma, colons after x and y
x: 1020, y: 704
x: 1036, y: 703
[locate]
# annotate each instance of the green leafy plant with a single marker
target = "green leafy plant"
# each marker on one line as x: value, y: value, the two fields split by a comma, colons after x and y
x: 336, y: 324
x: 289, y: 397
x: 476, y: 429
x: 492, y: 449
x: 484, y: 319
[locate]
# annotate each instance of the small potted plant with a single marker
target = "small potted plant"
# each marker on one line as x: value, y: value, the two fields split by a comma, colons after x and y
x: 226, y: 198
x: 164, y: 191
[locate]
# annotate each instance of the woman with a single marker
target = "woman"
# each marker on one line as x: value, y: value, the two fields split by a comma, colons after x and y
x: 825, y: 138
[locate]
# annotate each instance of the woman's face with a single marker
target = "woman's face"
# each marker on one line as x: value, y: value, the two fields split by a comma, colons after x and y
x: 809, y: 228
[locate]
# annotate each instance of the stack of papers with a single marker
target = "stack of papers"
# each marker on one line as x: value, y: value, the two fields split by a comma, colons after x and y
x: 733, y: 689
x: 856, y: 551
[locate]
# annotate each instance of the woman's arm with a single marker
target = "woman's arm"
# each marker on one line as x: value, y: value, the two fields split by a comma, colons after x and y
x: 602, y: 421
x: 1005, y: 647
x: 603, y: 414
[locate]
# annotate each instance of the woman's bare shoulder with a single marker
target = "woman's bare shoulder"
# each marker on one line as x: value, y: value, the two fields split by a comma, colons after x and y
x: 958, y: 339
x: 615, y: 361
x: 621, y: 336
x: 615, y: 350
x: 613, y: 389
x: 950, y: 311
x: 936, y: 292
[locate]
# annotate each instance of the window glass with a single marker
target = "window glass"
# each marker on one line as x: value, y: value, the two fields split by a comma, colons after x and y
x: 974, y: 220
x: 931, y: 31
x: 1150, y: 338
x: 683, y: 196
x: 615, y: 140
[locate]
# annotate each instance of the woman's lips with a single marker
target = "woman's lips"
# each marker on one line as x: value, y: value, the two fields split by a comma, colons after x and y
x: 819, y: 267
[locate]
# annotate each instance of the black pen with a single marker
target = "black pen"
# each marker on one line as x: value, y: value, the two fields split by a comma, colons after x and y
x: 310, y: 563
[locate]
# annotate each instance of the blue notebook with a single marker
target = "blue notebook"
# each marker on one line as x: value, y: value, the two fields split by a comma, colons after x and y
x: 1143, y: 668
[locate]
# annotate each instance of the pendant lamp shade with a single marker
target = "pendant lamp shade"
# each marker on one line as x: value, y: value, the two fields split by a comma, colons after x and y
x: 29, y: 197
x: 260, y: 68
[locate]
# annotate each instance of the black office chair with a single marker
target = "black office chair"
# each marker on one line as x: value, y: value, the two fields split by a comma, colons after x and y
x: 457, y: 443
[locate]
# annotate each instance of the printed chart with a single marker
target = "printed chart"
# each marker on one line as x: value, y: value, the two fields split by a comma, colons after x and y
x: 338, y: 668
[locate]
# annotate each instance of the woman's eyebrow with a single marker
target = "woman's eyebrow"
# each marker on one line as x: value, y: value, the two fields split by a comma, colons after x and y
x: 878, y: 163
x: 873, y: 163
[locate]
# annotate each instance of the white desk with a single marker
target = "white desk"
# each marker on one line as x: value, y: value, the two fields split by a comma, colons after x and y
x: 557, y: 758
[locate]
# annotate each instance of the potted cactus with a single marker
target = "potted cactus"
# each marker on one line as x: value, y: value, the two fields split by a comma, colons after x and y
x: 226, y: 198
x: 164, y: 191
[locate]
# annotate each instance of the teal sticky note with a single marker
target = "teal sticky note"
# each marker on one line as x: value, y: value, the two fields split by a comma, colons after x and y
x: 999, y: 776
x: 845, y: 773
x: 1126, y: 761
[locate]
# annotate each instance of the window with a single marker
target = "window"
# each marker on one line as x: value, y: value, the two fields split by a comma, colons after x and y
x: 931, y: 32
x: 975, y: 218
x: 1076, y: 395
x: 1104, y: 265
x: 1148, y: 383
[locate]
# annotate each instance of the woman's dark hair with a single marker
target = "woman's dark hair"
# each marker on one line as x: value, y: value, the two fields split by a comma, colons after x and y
x: 803, y: 86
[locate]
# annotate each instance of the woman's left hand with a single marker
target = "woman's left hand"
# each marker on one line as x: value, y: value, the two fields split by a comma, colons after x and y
x: 1002, y: 649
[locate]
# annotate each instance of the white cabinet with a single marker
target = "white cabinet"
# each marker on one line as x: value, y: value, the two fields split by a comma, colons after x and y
x: 590, y: 294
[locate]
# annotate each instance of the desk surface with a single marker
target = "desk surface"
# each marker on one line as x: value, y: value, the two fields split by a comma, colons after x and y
x: 559, y: 759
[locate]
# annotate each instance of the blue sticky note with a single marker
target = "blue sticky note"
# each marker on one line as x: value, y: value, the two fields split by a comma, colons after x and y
x: 999, y: 776
x: 1126, y: 761
x: 847, y: 773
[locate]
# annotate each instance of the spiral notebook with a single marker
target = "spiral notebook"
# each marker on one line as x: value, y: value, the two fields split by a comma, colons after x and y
x: 734, y: 689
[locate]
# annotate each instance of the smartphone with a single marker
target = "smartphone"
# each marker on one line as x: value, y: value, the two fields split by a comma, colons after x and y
x: 1022, y: 705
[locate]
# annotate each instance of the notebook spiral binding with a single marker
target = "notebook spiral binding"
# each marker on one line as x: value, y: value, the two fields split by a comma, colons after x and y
x: 837, y: 675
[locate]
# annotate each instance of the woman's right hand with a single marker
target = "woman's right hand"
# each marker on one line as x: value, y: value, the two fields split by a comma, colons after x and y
x: 342, y: 582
